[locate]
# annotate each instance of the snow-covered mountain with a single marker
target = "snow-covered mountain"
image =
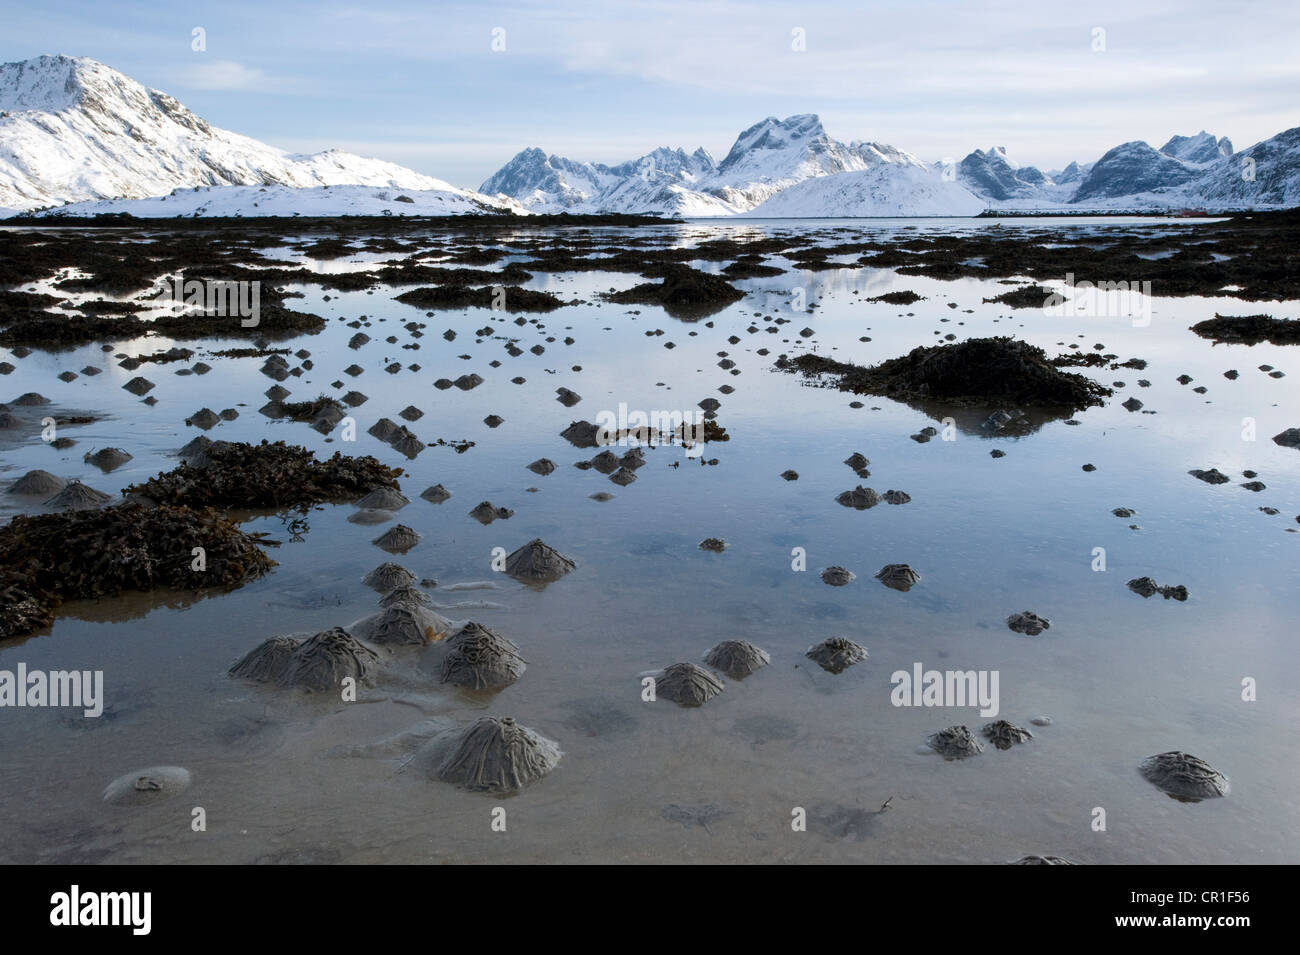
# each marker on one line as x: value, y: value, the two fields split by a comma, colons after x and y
x: 82, y: 138
x: 768, y: 158
x: 888, y: 189
x: 1132, y: 168
x: 1188, y: 171
x: 664, y: 181
x: 1201, y: 148
x: 72, y: 129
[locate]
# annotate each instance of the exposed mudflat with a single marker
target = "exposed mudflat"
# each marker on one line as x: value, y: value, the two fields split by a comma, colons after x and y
x: 592, y: 570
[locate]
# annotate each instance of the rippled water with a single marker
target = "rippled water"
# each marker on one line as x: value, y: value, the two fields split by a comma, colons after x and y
x: 1121, y: 677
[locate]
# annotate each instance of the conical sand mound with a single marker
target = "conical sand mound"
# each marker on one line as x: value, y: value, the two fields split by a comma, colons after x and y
x: 384, y: 499
x: 480, y: 659
x: 323, y: 661
x: 538, y: 560
x: 78, y: 497
x: 388, y: 576
x: 837, y: 653
x: 687, y: 684
x: 498, y: 756
x: 38, y: 482
x: 737, y: 658
x: 106, y: 459
x: 267, y: 661
x: 397, y: 539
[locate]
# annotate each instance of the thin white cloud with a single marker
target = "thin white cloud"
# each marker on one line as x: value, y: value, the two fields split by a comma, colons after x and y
x: 233, y: 76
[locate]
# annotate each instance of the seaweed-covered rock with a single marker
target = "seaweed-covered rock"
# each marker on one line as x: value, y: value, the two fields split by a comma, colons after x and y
x: 1290, y: 438
x: 235, y: 474
x: 955, y: 742
x: 479, y: 658
x: 836, y: 654
x: 715, y: 544
x: 896, y: 497
x: 76, y: 496
x: 89, y: 554
x: 859, y: 498
x: 1212, y: 476
x: 737, y: 658
x: 539, y: 561
x: 973, y: 372
x: 542, y: 466
x: 1146, y: 587
x: 1028, y: 622
x: 321, y: 662
x: 145, y: 786
x: 498, y: 756
x: 898, y: 577
x: 1004, y: 735
x: 139, y: 386
x: 684, y: 292
x: 838, y: 576
x: 388, y: 576
x: 267, y: 661
x: 1249, y: 329
x: 1184, y: 777
x: 687, y: 684
x: 566, y: 397
x: 397, y: 539
x: 37, y: 482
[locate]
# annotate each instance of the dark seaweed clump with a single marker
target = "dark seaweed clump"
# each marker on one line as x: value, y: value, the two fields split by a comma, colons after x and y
x: 50, y: 331
x: 235, y: 474
x: 48, y: 558
x: 1250, y: 329
x: 514, y: 299
x: 905, y: 297
x: 1029, y: 296
x: 683, y: 293
x: 976, y: 371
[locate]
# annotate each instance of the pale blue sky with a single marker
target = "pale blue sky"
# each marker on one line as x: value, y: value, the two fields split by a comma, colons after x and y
x: 418, y: 82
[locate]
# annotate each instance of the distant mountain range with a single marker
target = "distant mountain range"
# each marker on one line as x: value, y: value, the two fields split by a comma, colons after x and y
x: 77, y: 137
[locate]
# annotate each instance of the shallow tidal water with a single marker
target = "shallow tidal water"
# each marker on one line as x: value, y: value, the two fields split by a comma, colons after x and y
x: 1121, y: 677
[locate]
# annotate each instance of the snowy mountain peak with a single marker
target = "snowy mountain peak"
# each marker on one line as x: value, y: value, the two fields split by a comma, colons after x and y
x: 73, y: 129
x: 795, y: 133
x: 48, y: 83
x: 1201, y: 148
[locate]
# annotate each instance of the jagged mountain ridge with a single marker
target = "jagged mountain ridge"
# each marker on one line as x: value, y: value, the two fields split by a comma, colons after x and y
x: 74, y: 130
